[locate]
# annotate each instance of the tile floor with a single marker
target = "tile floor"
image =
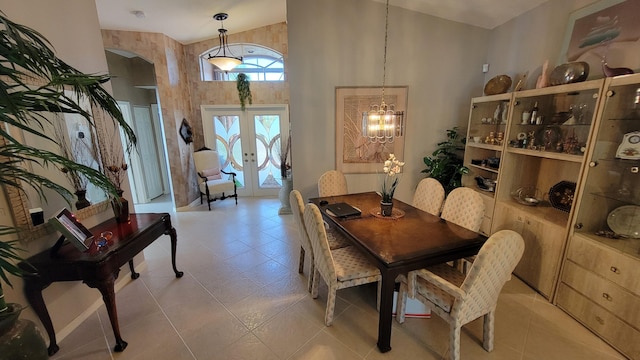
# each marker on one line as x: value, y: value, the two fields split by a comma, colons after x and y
x: 242, y: 298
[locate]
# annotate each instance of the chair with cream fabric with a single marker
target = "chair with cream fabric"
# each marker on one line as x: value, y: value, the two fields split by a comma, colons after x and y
x: 429, y: 196
x: 465, y: 207
x: 214, y: 183
x: 460, y: 299
x: 340, y: 268
x: 336, y: 240
x: 332, y: 183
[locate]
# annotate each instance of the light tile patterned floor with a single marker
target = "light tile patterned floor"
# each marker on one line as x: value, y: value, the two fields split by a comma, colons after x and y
x: 242, y: 298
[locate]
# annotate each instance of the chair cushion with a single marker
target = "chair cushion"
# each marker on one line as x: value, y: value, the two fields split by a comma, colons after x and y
x: 433, y: 293
x: 217, y: 186
x: 351, y: 264
x: 212, y: 174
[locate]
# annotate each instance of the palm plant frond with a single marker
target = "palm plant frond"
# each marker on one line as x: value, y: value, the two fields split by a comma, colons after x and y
x: 34, y: 83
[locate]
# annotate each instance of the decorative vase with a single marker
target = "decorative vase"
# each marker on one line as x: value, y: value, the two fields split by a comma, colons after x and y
x: 82, y: 199
x: 386, y: 208
x: 20, y: 338
x: 283, y: 195
x: 121, y: 208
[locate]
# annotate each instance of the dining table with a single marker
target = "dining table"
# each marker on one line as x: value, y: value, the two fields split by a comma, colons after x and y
x: 409, y: 239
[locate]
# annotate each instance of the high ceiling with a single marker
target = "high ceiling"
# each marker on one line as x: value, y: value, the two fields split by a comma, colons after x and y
x: 189, y: 21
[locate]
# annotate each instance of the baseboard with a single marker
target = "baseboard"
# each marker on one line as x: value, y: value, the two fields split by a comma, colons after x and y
x: 124, y: 280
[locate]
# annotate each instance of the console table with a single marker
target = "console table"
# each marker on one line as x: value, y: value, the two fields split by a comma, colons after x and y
x: 97, y: 267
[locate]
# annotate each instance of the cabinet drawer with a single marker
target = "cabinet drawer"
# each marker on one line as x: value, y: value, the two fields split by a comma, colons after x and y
x: 610, y: 264
x: 610, y: 296
x: 619, y: 334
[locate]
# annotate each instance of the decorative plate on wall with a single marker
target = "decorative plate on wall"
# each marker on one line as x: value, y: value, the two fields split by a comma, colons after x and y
x: 561, y: 195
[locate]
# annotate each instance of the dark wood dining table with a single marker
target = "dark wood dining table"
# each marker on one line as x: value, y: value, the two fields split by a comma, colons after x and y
x: 410, y: 239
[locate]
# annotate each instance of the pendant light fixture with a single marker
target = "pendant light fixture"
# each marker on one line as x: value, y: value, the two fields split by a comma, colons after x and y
x: 382, y: 123
x: 223, y: 59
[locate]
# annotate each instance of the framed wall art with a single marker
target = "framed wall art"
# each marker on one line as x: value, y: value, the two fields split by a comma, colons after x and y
x: 355, y: 153
x: 606, y: 30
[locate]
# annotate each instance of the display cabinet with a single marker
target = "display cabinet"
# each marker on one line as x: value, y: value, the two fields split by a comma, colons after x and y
x: 545, y: 143
x: 599, y: 283
x: 488, y: 119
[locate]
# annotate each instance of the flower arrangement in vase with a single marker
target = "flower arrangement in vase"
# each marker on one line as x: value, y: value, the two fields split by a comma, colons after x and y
x: 114, y: 167
x: 392, y: 169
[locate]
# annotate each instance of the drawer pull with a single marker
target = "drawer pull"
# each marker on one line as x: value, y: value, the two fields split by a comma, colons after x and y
x: 600, y: 320
x: 607, y: 296
x: 615, y: 270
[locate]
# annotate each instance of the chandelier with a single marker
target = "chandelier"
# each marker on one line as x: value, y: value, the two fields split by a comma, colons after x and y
x: 382, y: 123
x: 223, y: 59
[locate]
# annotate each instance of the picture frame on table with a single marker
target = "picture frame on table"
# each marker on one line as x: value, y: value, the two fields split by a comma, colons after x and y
x: 355, y: 153
x: 76, y: 233
x: 606, y: 30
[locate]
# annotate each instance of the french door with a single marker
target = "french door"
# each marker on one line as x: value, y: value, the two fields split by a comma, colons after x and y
x: 249, y: 144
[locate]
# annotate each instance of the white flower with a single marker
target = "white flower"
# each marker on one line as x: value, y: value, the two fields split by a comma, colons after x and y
x: 392, y: 167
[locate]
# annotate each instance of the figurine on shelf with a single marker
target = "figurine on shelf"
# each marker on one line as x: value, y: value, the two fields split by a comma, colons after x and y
x: 505, y: 113
x: 496, y: 114
x: 571, y: 144
x: 531, y: 140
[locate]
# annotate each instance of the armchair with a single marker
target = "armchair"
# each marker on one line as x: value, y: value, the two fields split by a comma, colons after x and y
x: 211, y: 182
x: 458, y: 298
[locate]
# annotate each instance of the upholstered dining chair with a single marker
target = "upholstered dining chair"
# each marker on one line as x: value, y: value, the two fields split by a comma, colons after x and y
x: 465, y: 207
x: 340, y: 268
x: 332, y: 183
x: 214, y: 183
x: 460, y: 299
x: 336, y: 240
x: 429, y: 196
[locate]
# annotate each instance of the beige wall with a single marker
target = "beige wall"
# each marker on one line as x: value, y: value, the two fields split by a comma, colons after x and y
x: 125, y: 73
x: 167, y: 55
x: 340, y: 43
x: 523, y: 44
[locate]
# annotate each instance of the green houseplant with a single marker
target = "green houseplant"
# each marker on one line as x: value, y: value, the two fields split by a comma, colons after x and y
x: 446, y: 163
x: 32, y: 84
x: 244, y: 90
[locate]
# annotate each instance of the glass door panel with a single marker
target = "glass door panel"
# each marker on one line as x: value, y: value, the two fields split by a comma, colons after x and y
x: 249, y: 144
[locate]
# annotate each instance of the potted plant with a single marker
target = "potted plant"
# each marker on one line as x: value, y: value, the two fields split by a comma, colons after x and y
x: 244, y: 90
x: 285, y: 174
x: 33, y: 82
x: 446, y: 163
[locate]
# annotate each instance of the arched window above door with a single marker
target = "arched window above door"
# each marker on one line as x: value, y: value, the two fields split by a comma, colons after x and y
x: 259, y: 63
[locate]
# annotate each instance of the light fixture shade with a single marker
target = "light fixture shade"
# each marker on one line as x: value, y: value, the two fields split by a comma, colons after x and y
x: 382, y: 123
x: 224, y: 63
x: 223, y: 59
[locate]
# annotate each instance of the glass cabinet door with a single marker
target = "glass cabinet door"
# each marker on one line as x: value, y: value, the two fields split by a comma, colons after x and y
x: 609, y: 210
x: 544, y: 157
x: 488, y: 119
